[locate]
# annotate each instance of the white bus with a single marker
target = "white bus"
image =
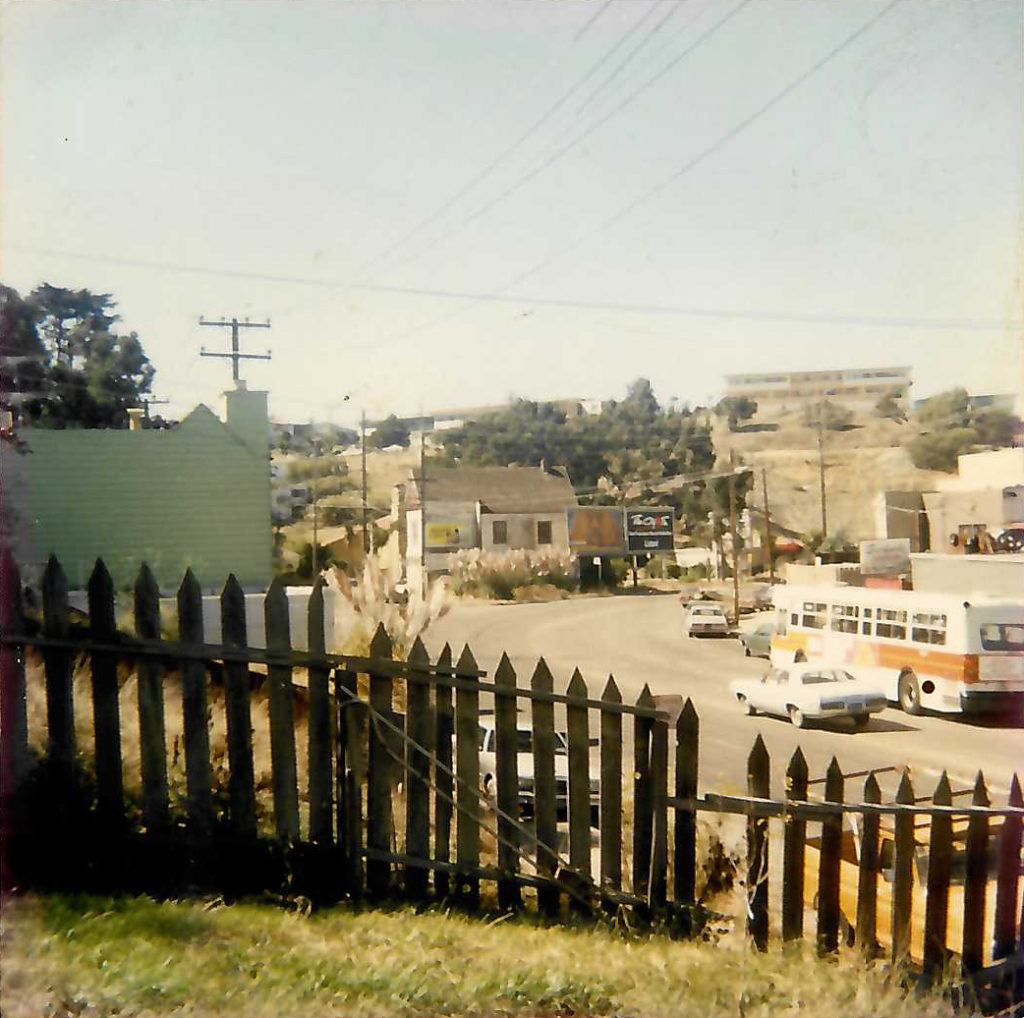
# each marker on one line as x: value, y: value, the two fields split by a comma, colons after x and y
x: 927, y: 651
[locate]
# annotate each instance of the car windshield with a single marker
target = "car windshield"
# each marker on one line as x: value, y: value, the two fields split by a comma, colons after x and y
x: 815, y: 678
x: 707, y: 611
x: 1003, y: 636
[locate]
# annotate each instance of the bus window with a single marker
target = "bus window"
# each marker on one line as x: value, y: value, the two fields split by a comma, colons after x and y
x: 891, y: 623
x: 927, y: 627
x: 844, y: 618
x: 813, y: 615
x: 865, y: 626
x: 1002, y: 636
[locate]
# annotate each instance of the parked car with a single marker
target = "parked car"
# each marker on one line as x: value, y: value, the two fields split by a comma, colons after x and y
x: 705, y: 618
x: 810, y: 692
x: 758, y: 642
x: 524, y: 767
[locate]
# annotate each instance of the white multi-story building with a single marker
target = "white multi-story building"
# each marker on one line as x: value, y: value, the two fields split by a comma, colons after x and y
x: 855, y: 388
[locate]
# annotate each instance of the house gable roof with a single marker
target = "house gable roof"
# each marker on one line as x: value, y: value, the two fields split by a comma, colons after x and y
x: 498, y: 489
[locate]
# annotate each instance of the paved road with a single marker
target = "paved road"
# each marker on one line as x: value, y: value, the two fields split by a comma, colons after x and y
x: 639, y: 639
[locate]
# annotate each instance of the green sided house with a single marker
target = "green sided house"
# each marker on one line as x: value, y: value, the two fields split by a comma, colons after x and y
x: 194, y: 496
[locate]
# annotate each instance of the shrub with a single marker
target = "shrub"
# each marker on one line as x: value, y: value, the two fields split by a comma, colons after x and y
x: 938, y: 451
x: 673, y: 570
x: 499, y: 575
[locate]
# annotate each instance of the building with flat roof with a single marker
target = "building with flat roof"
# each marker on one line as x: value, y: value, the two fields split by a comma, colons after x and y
x: 856, y: 388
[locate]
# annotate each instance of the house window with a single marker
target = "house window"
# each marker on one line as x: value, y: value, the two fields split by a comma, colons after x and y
x: 543, y: 531
x: 499, y: 532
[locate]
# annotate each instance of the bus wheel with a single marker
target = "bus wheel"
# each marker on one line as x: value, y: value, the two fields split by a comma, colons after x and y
x: 910, y: 693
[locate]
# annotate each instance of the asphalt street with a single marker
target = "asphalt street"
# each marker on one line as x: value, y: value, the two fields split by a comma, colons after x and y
x: 639, y: 639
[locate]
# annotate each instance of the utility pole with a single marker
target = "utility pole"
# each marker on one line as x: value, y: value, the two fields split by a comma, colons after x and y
x: 767, y: 527
x: 821, y: 469
x: 362, y: 446
x: 148, y: 401
x: 235, y: 356
x: 316, y: 544
x: 735, y: 543
x: 423, y: 513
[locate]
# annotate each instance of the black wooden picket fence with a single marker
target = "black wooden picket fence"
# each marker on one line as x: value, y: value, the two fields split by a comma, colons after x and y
x: 392, y: 802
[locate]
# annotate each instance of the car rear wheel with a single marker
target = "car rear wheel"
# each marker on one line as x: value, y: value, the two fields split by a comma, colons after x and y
x: 746, y: 651
x: 910, y: 693
x: 861, y: 720
x: 797, y: 716
x: 748, y: 705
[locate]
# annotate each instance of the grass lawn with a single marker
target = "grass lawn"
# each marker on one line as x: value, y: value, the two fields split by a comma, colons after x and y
x: 87, y: 956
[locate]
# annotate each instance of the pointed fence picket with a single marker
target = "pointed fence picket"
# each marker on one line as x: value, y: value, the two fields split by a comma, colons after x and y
x: 925, y: 880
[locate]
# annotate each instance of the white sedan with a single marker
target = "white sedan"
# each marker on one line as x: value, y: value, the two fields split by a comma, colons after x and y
x: 810, y: 692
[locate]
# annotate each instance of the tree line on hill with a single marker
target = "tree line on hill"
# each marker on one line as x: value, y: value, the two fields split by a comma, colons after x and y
x: 633, y: 442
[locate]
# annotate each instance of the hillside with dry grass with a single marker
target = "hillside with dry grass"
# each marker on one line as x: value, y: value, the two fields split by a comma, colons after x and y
x: 870, y: 457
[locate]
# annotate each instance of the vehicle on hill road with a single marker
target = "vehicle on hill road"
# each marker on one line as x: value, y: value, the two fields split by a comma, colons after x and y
x: 810, y: 692
x: 705, y: 618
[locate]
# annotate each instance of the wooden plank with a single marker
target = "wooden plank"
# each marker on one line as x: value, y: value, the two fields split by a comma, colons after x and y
x: 444, y: 784
x: 578, y: 730
x: 105, y: 708
x: 420, y: 727
x: 237, y: 705
x: 467, y: 768
x: 687, y: 753
x: 1008, y: 878
x: 152, y: 732
x: 284, y: 774
x: 758, y: 784
x: 793, y: 852
x: 195, y: 711
x: 867, y: 875
x: 940, y: 867
x: 545, y: 807
x: 643, y: 806
x: 60, y: 710
x: 658, y: 886
x: 351, y: 774
x: 828, y: 869
x: 975, y: 879
x: 379, y: 782
x: 903, y: 874
x: 611, y: 793
x: 319, y: 725
x: 14, y: 757
x: 507, y: 776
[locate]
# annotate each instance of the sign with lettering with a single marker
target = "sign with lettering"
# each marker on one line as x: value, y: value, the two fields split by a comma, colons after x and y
x: 886, y: 557
x: 649, y: 530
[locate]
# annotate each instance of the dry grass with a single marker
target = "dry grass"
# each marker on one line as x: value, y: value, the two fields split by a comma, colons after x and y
x: 93, y: 957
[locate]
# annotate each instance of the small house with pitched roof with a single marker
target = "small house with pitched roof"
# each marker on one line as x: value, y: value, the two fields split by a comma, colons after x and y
x: 492, y: 508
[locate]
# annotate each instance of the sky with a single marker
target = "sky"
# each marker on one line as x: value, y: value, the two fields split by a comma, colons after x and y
x: 443, y: 204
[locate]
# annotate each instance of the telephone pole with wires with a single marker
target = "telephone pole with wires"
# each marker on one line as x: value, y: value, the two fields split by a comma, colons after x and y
x: 236, y: 355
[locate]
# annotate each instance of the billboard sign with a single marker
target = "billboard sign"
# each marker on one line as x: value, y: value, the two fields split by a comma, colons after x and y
x: 596, y: 530
x: 887, y: 557
x: 649, y: 530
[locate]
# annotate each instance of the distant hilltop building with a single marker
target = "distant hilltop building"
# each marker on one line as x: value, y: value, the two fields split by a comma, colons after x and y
x: 856, y: 388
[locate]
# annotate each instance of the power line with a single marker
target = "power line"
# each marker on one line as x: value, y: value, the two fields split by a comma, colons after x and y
x: 704, y: 154
x: 550, y: 160
x: 498, y: 297
x: 500, y: 158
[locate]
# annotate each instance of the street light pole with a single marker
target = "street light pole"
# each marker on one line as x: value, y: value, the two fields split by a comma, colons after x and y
x: 821, y: 466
